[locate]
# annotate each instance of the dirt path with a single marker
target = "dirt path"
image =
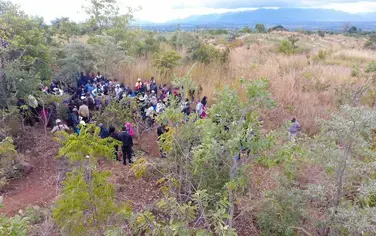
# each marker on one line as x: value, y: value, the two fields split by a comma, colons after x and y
x: 40, y: 187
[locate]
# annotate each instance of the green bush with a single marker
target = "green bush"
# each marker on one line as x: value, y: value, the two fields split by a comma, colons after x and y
x: 16, y: 226
x: 282, y: 213
x: 286, y: 47
x: 35, y: 214
x: 321, y: 33
x: 371, y: 67
x: 371, y: 43
x: 322, y: 55
x: 217, y: 31
x: 277, y: 28
x: 245, y: 30
x: 355, y: 71
x: 207, y: 54
x: 7, y: 161
x: 166, y: 61
x: 260, y: 28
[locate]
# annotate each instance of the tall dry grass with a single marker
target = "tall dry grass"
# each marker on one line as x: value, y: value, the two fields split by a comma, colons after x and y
x: 301, y: 89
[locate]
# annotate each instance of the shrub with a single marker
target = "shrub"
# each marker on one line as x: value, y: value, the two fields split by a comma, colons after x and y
x: 282, y: 213
x: 260, y: 28
x: 245, y: 30
x: 166, y: 61
x: 371, y: 43
x: 161, y: 38
x: 286, y: 47
x: 35, y: 214
x: 217, y: 31
x: 355, y: 71
x: 322, y: 55
x: 277, y: 28
x: 13, y: 226
x: 207, y: 54
x: 7, y: 160
x: 293, y: 39
x: 89, y: 200
x: 321, y: 33
x: 353, y: 30
x: 371, y: 67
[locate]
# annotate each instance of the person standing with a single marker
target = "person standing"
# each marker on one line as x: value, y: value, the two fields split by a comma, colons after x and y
x: 127, y: 145
x: 115, y: 135
x: 294, y: 130
x: 83, y: 111
x: 186, y: 109
x: 138, y: 86
x: 162, y: 129
x: 129, y: 128
x: 75, y: 120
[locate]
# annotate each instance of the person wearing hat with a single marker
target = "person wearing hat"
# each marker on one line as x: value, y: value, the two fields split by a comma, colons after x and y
x: 59, y: 127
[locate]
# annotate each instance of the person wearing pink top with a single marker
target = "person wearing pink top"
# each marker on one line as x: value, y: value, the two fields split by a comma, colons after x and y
x: 129, y: 129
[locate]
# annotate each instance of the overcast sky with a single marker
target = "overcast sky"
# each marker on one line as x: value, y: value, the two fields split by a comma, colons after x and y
x: 164, y: 10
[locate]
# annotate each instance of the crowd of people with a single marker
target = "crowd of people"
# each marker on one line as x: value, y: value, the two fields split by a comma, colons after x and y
x: 96, y: 92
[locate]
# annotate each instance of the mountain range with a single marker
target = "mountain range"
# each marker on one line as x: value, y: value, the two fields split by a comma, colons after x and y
x: 291, y: 17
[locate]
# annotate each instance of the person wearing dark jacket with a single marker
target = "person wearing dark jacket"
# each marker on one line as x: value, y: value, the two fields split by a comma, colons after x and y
x: 127, y: 141
x: 75, y: 120
x: 115, y: 135
x: 160, y: 131
x: 105, y: 133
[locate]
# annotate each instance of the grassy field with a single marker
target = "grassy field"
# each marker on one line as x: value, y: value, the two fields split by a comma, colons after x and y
x: 307, y: 84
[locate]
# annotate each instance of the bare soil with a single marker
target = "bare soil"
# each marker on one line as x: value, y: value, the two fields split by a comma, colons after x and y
x: 42, y: 186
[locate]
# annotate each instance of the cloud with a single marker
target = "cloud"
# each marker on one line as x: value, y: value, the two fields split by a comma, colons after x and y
x: 230, y: 4
x: 164, y: 10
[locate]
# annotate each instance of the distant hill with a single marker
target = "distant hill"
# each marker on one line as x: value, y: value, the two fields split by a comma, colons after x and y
x: 290, y: 18
x: 277, y: 16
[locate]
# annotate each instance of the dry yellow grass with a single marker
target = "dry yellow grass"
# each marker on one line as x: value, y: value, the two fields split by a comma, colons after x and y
x: 301, y: 89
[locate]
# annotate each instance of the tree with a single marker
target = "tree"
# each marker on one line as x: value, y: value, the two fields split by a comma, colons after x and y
x: 207, y: 53
x: 24, y: 53
x: 165, y: 62
x: 65, y: 29
x: 90, y: 201
x: 148, y: 44
x: 245, y: 30
x: 87, y: 144
x: 109, y: 55
x: 260, y: 28
x: 87, y: 195
x: 277, y: 28
x: 101, y: 14
x: 293, y: 39
x: 75, y: 57
x: 346, y: 150
x: 346, y: 26
x: 321, y: 33
x: 353, y: 30
x: 204, y: 154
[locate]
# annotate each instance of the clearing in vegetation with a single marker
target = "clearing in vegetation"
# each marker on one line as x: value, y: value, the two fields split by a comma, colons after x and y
x: 241, y: 132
